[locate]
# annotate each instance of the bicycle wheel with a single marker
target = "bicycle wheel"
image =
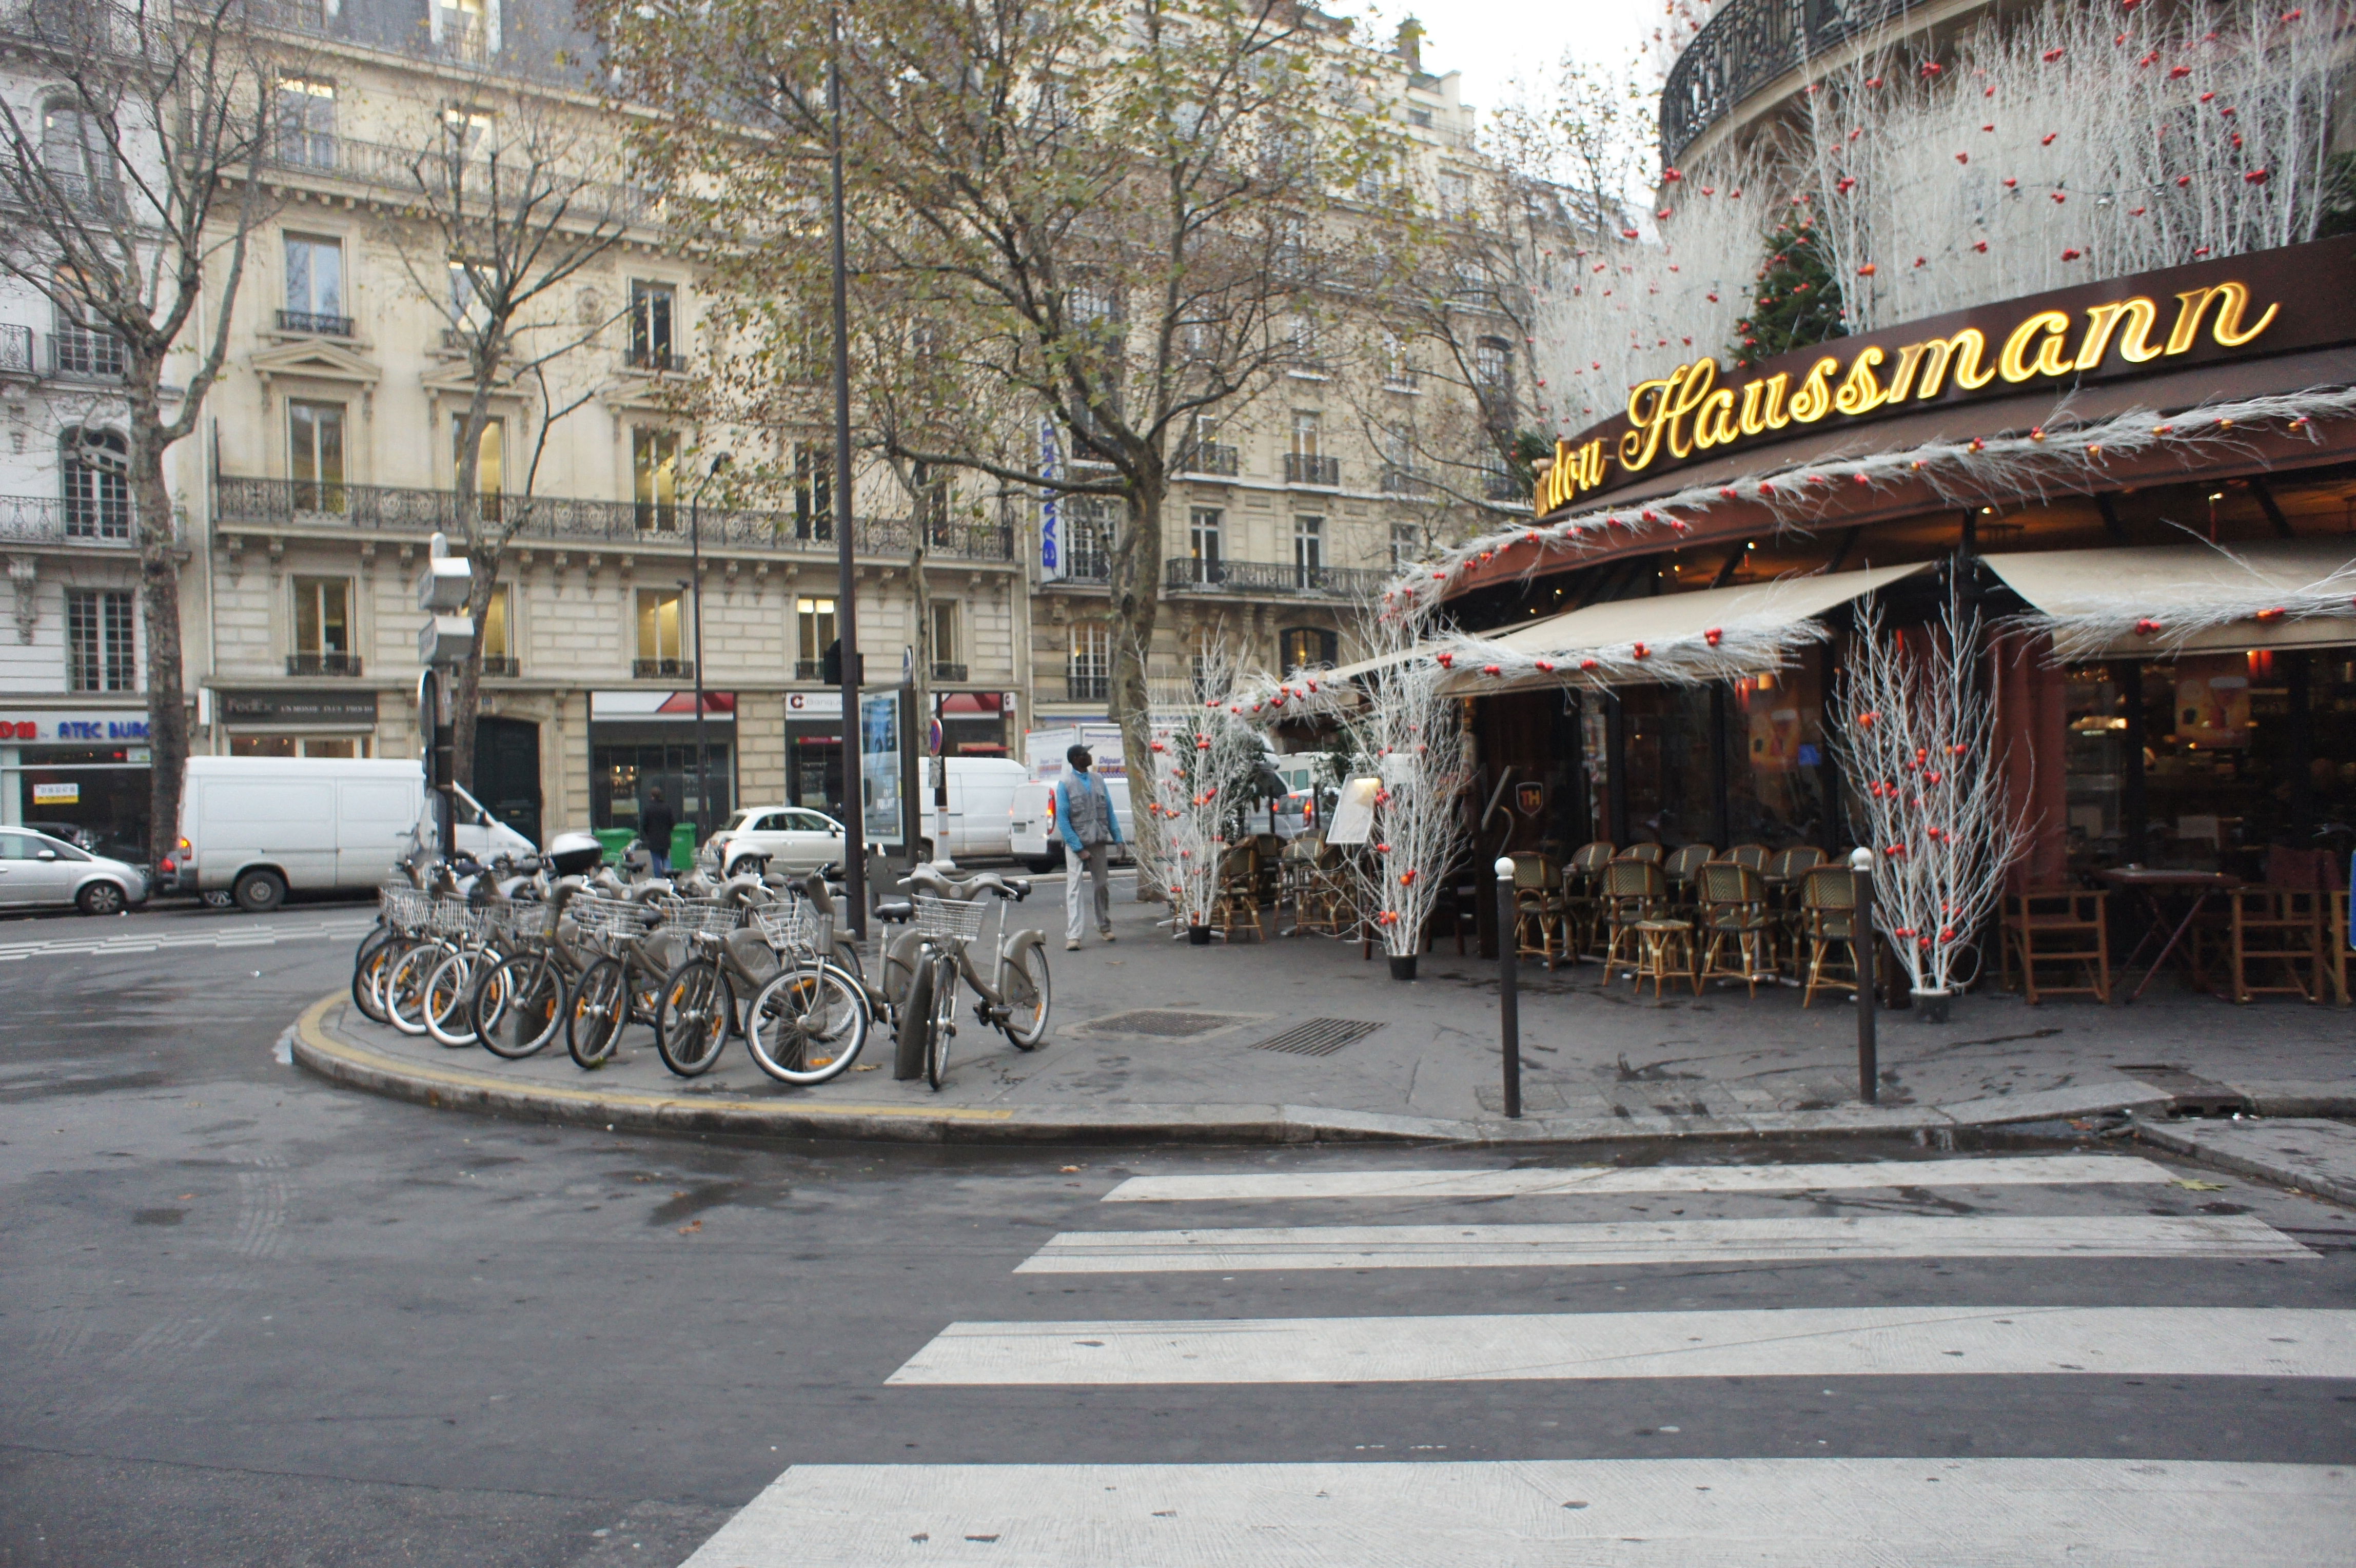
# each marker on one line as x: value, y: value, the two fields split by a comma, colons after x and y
x: 450, y: 997
x: 692, y: 1022
x: 944, y: 1030
x: 911, y: 1038
x: 370, y: 966
x: 519, y: 1005
x: 807, y: 1025
x: 601, y: 1005
x: 1028, y: 997
x: 404, y: 987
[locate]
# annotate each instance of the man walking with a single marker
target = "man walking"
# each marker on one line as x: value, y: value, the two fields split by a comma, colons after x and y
x: 1083, y: 816
x: 656, y: 824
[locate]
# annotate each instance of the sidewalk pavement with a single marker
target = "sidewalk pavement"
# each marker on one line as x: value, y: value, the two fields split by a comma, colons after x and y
x: 1154, y: 1041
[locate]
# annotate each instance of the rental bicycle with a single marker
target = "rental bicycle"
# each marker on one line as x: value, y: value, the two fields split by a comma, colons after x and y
x: 1014, y: 996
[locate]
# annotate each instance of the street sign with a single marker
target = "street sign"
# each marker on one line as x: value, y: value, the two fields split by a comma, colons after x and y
x: 933, y: 738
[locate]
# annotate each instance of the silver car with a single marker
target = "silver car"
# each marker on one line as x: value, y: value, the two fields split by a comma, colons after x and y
x: 37, y: 870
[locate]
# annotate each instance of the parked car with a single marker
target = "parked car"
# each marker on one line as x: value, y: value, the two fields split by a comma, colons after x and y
x: 258, y: 828
x: 1032, y: 823
x: 782, y: 838
x: 36, y: 869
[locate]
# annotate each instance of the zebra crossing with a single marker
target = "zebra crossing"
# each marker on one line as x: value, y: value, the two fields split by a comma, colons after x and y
x: 223, y: 936
x: 2015, y: 1501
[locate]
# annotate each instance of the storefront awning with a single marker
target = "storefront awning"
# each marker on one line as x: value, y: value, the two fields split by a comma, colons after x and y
x: 2162, y: 601
x: 1714, y: 634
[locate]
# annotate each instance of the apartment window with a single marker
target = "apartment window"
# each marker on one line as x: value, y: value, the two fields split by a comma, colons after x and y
x: 654, y: 476
x: 75, y: 152
x: 1088, y: 537
x: 1205, y: 539
x: 468, y: 29
x: 490, y: 461
x: 659, y: 630
x: 948, y: 664
x: 1306, y: 463
x: 1087, y: 678
x: 101, y: 642
x: 1290, y: 255
x: 466, y: 312
x: 813, y: 490
x: 1306, y: 648
x: 79, y: 348
x: 495, y: 636
x: 323, y: 627
x: 1406, y: 546
x: 1492, y: 362
x: 315, y: 454
x: 653, y: 310
x: 932, y: 503
x: 1202, y: 655
x: 1398, y: 371
x: 306, y: 122
x: 315, y: 286
x: 1308, y: 549
x: 814, y: 621
x: 1308, y: 432
x: 98, y: 489
x: 1308, y: 345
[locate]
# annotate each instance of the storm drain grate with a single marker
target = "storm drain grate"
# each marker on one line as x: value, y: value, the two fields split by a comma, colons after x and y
x: 1169, y: 1023
x: 1318, y: 1036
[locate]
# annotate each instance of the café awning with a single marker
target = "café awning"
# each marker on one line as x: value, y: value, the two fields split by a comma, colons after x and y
x: 1715, y: 634
x: 2161, y: 601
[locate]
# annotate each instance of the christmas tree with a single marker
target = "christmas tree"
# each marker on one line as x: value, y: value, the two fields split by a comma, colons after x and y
x: 1798, y: 301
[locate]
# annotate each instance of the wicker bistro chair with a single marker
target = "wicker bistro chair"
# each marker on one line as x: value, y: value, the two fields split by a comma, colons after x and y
x: 1683, y: 868
x: 1651, y: 852
x: 1541, y: 916
x: 1783, y: 874
x: 1633, y: 891
x: 1734, y: 915
x: 2063, y: 926
x: 1754, y: 855
x: 1237, y: 903
x: 1582, y: 882
x: 1828, y: 922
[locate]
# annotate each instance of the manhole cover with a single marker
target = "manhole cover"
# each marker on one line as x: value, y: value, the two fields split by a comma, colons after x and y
x: 1318, y: 1036
x: 1169, y: 1023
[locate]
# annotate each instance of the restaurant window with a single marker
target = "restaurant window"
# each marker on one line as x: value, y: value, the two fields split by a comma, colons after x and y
x: 2094, y: 762
x: 2245, y: 751
x: 101, y: 640
x: 1777, y: 769
x: 654, y: 477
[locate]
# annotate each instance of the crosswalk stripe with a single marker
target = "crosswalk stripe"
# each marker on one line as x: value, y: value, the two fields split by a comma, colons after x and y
x: 1611, y: 1513
x: 2273, y: 1342
x: 2004, y: 1171
x: 228, y: 937
x: 1661, y: 1241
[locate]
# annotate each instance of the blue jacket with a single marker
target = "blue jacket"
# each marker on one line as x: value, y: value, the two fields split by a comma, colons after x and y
x: 1097, y: 785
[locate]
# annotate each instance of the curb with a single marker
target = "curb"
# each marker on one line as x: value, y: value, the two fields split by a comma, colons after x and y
x: 313, y: 1043
x: 2311, y: 1175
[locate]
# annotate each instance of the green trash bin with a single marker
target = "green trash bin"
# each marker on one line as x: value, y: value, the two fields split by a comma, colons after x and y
x: 683, y: 846
x: 616, y: 841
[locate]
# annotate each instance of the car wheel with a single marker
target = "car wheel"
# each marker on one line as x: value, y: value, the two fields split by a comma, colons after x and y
x: 101, y: 897
x: 259, y: 892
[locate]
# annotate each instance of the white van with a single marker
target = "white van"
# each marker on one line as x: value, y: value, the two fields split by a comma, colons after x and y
x: 1032, y: 824
x: 981, y: 793
x: 258, y: 828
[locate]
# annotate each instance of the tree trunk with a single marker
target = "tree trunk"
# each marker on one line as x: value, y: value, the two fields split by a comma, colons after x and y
x: 159, y: 594
x: 466, y: 538
x: 1136, y: 606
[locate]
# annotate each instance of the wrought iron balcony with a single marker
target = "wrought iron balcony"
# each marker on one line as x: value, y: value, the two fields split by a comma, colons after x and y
x: 1208, y: 457
x: 1284, y: 577
x: 1397, y: 480
x: 953, y: 673
x: 654, y: 361
x: 1749, y: 44
x: 16, y: 349
x: 426, y: 171
x: 501, y: 665
x: 328, y: 662
x: 314, y: 321
x: 241, y: 504
x: 1306, y: 469
x: 103, y: 519
x: 662, y: 669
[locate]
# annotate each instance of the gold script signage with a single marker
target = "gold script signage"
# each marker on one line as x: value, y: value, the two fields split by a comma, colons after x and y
x: 2270, y: 302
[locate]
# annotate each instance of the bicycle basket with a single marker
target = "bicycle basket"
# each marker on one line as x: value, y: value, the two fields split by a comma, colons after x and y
x: 405, y: 906
x: 522, y: 920
x: 708, y: 916
x: 947, y: 918
x: 792, y: 925
x: 451, y: 916
x: 607, y: 921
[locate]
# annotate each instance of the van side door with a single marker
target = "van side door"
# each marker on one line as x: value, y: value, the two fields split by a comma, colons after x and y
x: 374, y: 817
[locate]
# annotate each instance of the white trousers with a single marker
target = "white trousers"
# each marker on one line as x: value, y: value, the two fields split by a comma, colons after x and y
x: 1084, y: 869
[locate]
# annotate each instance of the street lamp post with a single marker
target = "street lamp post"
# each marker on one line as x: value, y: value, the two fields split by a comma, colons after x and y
x: 443, y: 642
x: 695, y: 570
x: 846, y: 614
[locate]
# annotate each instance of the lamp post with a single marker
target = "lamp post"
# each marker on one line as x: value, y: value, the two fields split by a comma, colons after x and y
x: 443, y: 641
x: 695, y: 569
x: 846, y: 612
x: 1867, y: 950
x: 1509, y: 1002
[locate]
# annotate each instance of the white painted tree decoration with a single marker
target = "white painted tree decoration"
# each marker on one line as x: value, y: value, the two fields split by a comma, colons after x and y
x: 1204, y: 765
x: 1919, y: 743
x: 1409, y: 734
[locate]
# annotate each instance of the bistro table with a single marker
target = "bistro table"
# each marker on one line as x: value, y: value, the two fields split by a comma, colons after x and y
x: 2157, y: 887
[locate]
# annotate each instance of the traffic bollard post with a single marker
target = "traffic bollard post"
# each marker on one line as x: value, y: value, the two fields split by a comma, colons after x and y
x: 1509, y: 1002
x: 1868, y: 951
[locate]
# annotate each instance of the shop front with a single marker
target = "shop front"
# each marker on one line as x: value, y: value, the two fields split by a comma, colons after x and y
x: 82, y: 774
x: 973, y: 724
x: 814, y: 751
x: 298, y: 722
x: 2145, y: 490
x: 640, y: 741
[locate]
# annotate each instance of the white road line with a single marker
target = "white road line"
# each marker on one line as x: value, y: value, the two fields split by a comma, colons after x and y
x: 2008, y: 1170
x: 1831, y: 1342
x: 1661, y: 1241
x: 1609, y: 1513
x: 227, y: 936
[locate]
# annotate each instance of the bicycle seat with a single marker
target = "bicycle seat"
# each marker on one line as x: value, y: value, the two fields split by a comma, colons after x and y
x: 930, y: 881
x: 895, y: 911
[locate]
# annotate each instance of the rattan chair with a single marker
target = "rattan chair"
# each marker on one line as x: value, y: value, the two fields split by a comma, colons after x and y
x: 1782, y: 875
x: 1734, y: 914
x: 1541, y: 915
x: 1582, y: 878
x: 2066, y: 926
x: 1683, y: 865
x: 1633, y: 891
x: 1828, y: 922
x: 1753, y: 855
x: 1652, y: 851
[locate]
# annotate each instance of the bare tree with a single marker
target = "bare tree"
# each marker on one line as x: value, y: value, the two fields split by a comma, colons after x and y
x: 511, y: 202
x: 131, y: 186
x: 1123, y: 217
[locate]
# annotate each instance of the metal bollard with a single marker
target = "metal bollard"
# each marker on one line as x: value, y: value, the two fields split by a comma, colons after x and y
x: 1868, y: 948
x: 1509, y: 1002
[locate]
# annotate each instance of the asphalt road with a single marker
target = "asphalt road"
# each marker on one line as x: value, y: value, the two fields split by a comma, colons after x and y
x: 249, y: 1318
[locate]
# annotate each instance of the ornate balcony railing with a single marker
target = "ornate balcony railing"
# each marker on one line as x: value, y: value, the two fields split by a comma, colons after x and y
x: 16, y: 349
x: 424, y: 171
x: 1749, y: 44
x: 1307, y: 469
x: 1213, y: 458
x: 103, y: 519
x: 496, y: 665
x: 330, y: 662
x: 653, y: 361
x: 314, y: 321
x: 952, y: 672
x: 662, y: 669
x: 1190, y: 576
x: 618, y: 525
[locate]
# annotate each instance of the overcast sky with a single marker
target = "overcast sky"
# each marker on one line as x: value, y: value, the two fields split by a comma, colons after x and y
x: 1494, y: 41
